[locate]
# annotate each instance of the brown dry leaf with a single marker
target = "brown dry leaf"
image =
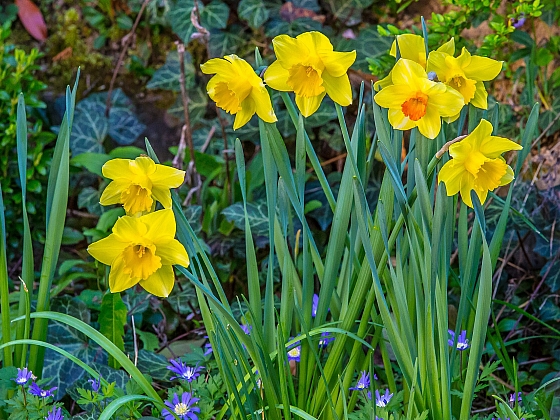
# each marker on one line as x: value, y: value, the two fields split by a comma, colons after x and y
x: 32, y: 19
x: 549, y: 162
x: 63, y: 55
x: 289, y: 13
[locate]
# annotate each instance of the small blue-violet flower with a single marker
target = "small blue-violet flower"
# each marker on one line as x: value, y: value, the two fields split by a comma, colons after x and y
x: 55, y: 414
x: 315, y: 305
x: 182, y: 408
x: 519, y: 21
x: 23, y: 376
x: 295, y: 353
x: 462, y: 342
x: 183, y: 371
x: 43, y: 393
x: 95, y: 384
x: 326, y: 338
x: 363, y: 382
x: 246, y: 329
x: 519, y: 397
x: 381, y: 400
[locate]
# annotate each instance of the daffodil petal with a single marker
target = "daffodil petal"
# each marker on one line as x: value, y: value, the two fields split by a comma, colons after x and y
x: 107, y: 249
x: 407, y: 72
x: 448, y: 47
x: 463, y: 60
x: 172, y: 252
x: 447, y: 103
x: 120, y: 280
x: 128, y: 228
x: 338, y: 88
x: 493, y: 146
x: 216, y: 65
x: 430, y: 124
x: 276, y: 76
x: 168, y: 177
x: 315, y: 41
x: 142, y: 165
x: 117, y: 168
x: 467, y: 184
x: 480, y: 99
x: 449, y: 120
x: 383, y: 83
x: 112, y: 192
x: 508, y: 176
x: 263, y: 105
x: 400, y: 121
x: 451, y: 174
x: 479, y: 134
x: 337, y: 63
x: 307, y: 106
x: 161, y: 225
x: 392, y: 96
x: 437, y: 64
x: 161, y: 282
x: 243, y: 116
x: 411, y: 47
x: 289, y: 51
x: 163, y: 195
x: 482, y: 68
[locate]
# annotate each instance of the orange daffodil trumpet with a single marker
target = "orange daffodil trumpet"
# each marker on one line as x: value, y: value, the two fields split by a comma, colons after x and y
x: 414, y: 100
x: 477, y: 164
x: 142, y: 250
x: 138, y: 184
x: 466, y: 74
x: 238, y: 90
x: 308, y: 66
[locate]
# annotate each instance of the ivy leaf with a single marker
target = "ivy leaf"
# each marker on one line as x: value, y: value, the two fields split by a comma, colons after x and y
x: 223, y: 43
x: 88, y: 199
x: 215, y: 15
x: 183, y: 301
x: 368, y: 43
x: 553, y: 278
x: 179, y: 16
x: 89, y: 128
x: 198, y: 100
x: 112, y: 320
x: 325, y: 113
x: 167, y: 77
x: 253, y: 12
x: 348, y: 11
x: 257, y: 214
x: 277, y: 26
x: 153, y: 364
x: 62, y: 371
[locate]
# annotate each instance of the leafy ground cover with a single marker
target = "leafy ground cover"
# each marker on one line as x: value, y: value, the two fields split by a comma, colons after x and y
x: 292, y: 306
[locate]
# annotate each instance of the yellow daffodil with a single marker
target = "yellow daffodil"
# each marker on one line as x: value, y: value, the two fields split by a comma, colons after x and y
x: 137, y: 183
x: 238, y: 90
x: 308, y: 66
x: 142, y: 250
x: 412, y: 47
x: 477, y: 164
x: 415, y: 101
x: 466, y: 74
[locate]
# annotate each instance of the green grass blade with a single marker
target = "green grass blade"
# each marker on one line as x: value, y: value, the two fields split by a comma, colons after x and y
x: 7, y: 359
x: 117, y: 403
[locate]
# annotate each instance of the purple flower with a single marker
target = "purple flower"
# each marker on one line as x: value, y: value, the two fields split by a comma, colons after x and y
x: 462, y: 342
x: 183, y: 409
x: 326, y: 338
x: 519, y: 21
x: 295, y: 353
x: 315, y: 305
x: 246, y: 328
x: 183, y: 371
x: 382, y: 400
x: 55, y: 414
x: 23, y: 376
x: 208, y: 349
x: 43, y: 393
x: 519, y: 397
x: 95, y: 384
x: 363, y: 382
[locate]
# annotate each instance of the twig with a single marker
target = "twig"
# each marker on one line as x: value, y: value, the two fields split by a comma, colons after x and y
x: 548, y: 127
x: 193, y: 177
x: 127, y: 42
x: 135, y: 338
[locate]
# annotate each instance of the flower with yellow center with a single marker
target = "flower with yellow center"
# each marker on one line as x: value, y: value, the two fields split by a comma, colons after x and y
x: 412, y: 47
x: 415, y: 101
x: 308, y: 66
x: 466, y: 74
x: 142, y: 250
x: 238, y: 90
x: 138, y: 183
x: 477, y: 164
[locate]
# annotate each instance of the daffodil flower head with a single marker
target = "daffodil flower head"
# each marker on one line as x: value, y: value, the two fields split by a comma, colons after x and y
x: 477, y: 164
x: 138, y: 183
x: 466, y: 74
x: 412, y: 47
x: 308, y: 66
x: 414, y: 100
x: 236, y: 88
x: 142, y: 250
